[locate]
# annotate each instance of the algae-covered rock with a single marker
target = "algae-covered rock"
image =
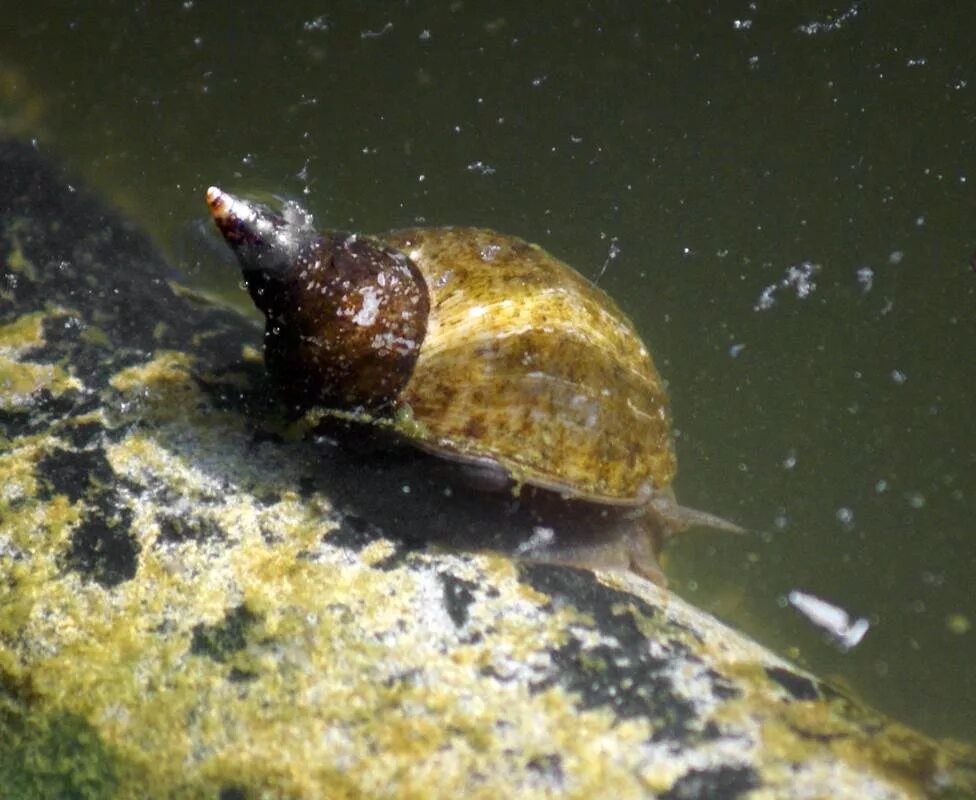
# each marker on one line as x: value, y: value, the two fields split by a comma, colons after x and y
x: 201, y: 598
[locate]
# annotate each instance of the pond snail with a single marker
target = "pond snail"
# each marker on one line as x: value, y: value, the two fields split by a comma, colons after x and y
x: 471, y: 345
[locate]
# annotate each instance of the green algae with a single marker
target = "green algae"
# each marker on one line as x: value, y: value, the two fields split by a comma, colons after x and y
x: 17, y: 261
x: 53, y: 756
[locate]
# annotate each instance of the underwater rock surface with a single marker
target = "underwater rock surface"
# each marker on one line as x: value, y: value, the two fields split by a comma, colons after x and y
x: 199, y: 599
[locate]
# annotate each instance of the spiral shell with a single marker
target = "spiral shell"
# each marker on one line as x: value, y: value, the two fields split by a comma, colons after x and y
x: 474, y: 345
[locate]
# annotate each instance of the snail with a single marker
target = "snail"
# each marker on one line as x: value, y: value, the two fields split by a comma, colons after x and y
x: 474, y: 346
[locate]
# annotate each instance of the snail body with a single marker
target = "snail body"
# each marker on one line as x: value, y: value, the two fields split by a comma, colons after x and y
x: 473, y: 345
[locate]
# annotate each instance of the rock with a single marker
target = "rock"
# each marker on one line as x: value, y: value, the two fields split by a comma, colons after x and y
x: 201, y: 598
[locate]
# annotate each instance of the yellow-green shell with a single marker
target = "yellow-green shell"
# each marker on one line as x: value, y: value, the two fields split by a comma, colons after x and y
x: 528, y: 365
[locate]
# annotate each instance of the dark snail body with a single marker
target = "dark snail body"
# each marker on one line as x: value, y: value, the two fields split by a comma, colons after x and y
x: 474, y: 345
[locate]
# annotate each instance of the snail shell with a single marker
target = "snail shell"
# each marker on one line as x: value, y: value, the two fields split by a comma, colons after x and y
x: 473, y: 345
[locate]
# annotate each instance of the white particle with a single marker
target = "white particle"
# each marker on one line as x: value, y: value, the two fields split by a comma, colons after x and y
x: 833, y: 619
x: 481, y: 168
x: 916, y: 500
x: 370, y: 307
x: 540, y: 537
x: 489, y: 251
x: 798, y: 277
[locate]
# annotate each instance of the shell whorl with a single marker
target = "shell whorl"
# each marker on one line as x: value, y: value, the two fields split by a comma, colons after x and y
x: 346, y: 315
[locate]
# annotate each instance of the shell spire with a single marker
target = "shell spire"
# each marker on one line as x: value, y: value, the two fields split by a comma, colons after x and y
x: 264, y: 241
x: 346, y: 315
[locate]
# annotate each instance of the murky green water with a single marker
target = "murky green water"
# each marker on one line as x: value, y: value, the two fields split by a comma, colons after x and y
x: 781, y: 197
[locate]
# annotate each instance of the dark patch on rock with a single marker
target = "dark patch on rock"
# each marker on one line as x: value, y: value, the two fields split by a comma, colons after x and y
x: 185, y: 526
x: 722, y: 687
x: 237, y: 675
x: 14, y: 424
x: 268, y: 499
x: 45, y: 409
x: 307, y: 486
x: 396, y: 560
x: 223, y: 390
x: 582, y: 589
x: 458, y: 597
x: 630, y: 682
x: 225, y: 638
x: 103, y: 547
x: 83, y: 434
x: 353, y: 533
x: 798, y: 686
x: 74, y: 473
x: 549, y: 765
x: 721, y: 783
x: 233, y: 793
x: 625, y: 677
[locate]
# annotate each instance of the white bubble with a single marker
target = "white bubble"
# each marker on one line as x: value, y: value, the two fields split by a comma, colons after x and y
x: 865, y: 277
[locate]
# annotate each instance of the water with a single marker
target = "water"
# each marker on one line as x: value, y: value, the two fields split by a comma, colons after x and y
x: 779, y: 194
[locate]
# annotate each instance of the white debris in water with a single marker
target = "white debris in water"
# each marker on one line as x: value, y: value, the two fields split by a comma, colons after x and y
x: 481, y: 168
x: 896, y: 256
x: 612, y: 253
x: 836, y: 621
x: 736, y: 349
x: 320, y: 24
x: 799, y: 278
x: 845, y: 516
x: 865, y: 277
x: 916, y: 500
x: 541, y: 537
x: 898, y: 376
x: 370, y: 34
x: 832, y: 23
